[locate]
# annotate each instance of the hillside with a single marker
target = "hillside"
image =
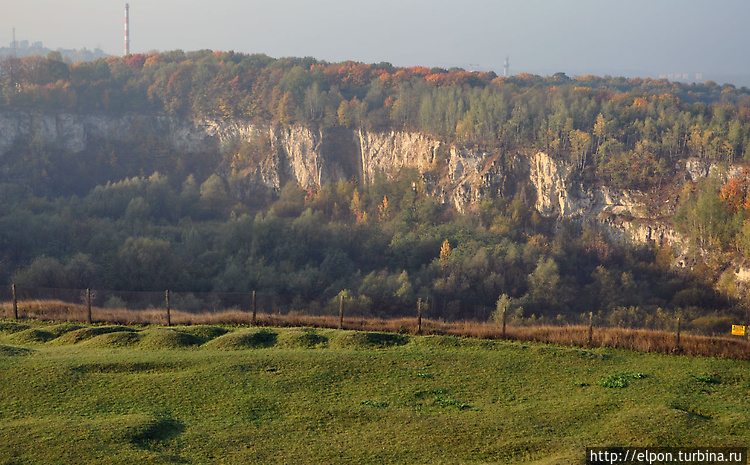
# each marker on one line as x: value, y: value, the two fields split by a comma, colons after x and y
x: 310, y: 179
x: 119, y: 394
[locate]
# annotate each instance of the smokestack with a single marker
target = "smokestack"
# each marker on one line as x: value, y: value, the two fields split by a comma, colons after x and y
x: 127, y: 33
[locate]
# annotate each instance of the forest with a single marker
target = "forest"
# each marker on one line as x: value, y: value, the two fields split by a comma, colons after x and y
x: 136, y: 215
x: 625, y: 132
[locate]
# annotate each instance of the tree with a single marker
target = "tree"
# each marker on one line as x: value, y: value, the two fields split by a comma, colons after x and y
x: 734, y: 193
x: 544, y: 285
x: 743, y: 239
x: 314, y: 103
x: 190, y: 195
x: 384, y: 213
x: 445, y: 252
x: 345, y: 114
x: 580, y: 147
x: 546, y: 276
x: 286, y: 109
x: 147, y: 264
x: 82, y: 273
x: 711, y: 217
x: 357, y: 207
x: 138, y: 210
x: 291, y: 201
x: 42, y: 272
x: 501, y: 308
x: 214, y: 195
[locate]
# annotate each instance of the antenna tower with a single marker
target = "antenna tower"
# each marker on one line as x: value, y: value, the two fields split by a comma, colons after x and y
x: 13, y: 62
x: 506, y: 65
x: 127, y: 33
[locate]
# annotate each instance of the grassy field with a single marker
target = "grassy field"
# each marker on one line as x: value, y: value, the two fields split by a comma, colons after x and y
x: 73, y: 393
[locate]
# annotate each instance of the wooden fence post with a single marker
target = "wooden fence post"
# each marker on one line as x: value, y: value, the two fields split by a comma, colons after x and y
x: 505, y: 311
x: 419, y: 316
x: 169, y: 317
x: 254, y: 308
x: 88, y: 304
x: 678, y: 333
x: 15, y: 302
x: 591, y: 329
x: 341, y: 312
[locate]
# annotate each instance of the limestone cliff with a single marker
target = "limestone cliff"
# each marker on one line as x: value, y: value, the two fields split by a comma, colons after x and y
x: 456, y: 174
x: 387, y: 152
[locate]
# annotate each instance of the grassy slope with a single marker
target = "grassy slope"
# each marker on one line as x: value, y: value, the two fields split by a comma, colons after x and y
x: 195, y: 395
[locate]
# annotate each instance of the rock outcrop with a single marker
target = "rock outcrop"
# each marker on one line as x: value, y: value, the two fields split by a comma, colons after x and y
x: 388, y: 152
x: 457, y: 174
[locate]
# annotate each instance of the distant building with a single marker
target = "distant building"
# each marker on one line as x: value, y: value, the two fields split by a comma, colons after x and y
x: 682, y: 77
x: 24, y: 48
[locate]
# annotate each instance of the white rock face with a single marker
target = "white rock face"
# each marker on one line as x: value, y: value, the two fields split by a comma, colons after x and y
x: 549, y: 180
x: 624, y: 213
x: 389, y: 151
x: 458, y: 175
x: 72, y: 132
x: 556, y: 194
x: 302, y: 149
x: 471, y: 173
x: 48, y: 129
x: 697, y: 168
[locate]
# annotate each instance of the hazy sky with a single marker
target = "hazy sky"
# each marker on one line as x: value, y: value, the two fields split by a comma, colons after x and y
x: 617, y: 37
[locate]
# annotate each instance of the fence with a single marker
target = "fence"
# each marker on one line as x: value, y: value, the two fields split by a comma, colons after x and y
x: 169, y: 307
x: 159, y: 307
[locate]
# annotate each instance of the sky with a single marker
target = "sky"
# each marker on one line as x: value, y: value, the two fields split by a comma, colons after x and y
x: 645, y: 38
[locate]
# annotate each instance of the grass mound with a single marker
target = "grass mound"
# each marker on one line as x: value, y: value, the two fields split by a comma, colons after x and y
x: 59, y: 330
x: 153, y: 431
x: 114, y: 339
x: 205, y: 333
x: 304, y: 338
x: 238, y: 340
x: 440, y: 341
x: 9, y: 327
x: 32, y: 336
x: 370, y: 340
x: 83, y: 334
x: 161, y: 338
x: 11, y: 351
x: 84, y: 404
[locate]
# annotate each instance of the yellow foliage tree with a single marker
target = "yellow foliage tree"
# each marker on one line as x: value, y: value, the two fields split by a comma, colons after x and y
x: 445, y: 252
x: 357, y: 207
x: 383, y: 209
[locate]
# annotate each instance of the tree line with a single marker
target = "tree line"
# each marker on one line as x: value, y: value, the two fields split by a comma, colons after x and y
x: 624, y: 132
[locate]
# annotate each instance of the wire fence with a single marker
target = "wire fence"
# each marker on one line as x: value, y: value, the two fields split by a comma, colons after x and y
x: 154, y: 306
x: 104, y: 304
x: 129, y: 300
x: 189, y: 308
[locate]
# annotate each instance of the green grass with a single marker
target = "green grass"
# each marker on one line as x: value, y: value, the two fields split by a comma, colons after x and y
x: 117, y: 394
x: 620, y: 380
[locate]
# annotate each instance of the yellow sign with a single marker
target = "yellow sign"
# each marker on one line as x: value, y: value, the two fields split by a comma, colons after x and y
x: 738, y: 330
